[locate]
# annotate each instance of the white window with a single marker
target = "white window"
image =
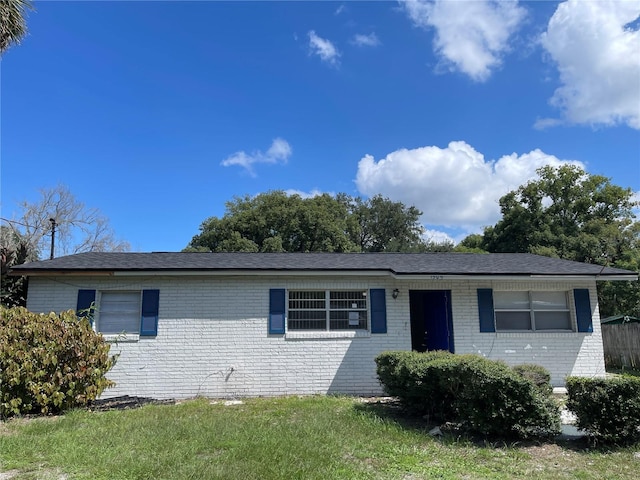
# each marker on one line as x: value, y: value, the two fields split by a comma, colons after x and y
x: 532, y: 311
x: 119, y: 312
x: 327, y: 310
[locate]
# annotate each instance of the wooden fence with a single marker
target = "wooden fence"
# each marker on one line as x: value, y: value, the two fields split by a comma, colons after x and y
x: 621, y: 345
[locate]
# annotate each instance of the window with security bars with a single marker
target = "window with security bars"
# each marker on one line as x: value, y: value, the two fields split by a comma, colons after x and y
x: 327, y: 310
x: 532, y: 311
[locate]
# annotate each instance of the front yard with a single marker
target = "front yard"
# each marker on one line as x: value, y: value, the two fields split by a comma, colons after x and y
x: 281, y: 438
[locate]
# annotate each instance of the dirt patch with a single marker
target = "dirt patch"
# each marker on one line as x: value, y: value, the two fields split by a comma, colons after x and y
x: 377, y: 399
x: 4, y: 431
x: 8, y: 474
x: 125, y: 402
x: 46, y: 474
x: 545, y: 451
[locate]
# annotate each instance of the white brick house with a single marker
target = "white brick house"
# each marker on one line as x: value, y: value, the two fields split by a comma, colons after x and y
x: 249, y: 324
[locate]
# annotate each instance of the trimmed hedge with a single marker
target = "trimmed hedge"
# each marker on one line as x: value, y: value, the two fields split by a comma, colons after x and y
x: 416, y: 378
x: 49, y: 363
x: 607, y: 408
x: 482, y: 396
x: 539, y: 375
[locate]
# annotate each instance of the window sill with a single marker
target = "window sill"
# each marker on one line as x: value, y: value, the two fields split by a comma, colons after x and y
x: 327, y: 335
x: 121, y: 338
x: 538, y: 333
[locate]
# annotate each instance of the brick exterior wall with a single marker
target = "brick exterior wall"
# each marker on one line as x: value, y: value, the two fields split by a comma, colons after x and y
x: 213, y: 340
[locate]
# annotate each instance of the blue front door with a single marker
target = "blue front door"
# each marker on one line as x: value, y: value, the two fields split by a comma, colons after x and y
x: 431, y: 321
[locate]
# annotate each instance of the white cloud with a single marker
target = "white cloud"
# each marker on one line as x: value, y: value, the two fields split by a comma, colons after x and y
x: 543, y: 123
x: 323, y: 48
x: 313, y: 193
x: 455, y: 186
x: 597, y: 52
x: 436, y: 236
x: 470, y: 36
x: 279, y: 152
x: 342, y: 8
x: 370, y: 40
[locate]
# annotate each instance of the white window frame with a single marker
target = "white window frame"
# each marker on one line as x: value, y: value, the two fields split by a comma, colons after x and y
x: 327, y: 309
x: 531, y: 310
x: 133, y: 334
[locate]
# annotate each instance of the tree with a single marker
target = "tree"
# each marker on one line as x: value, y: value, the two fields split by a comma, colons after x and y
x: 277, y: 222
x: 622, y: 297
x: 28, y: 237
x: 77, y: 228
x: 14, y: 250
x: 13, y: 24
x: 471, y: 244
x: 567, y: 213
x: 379, y: 224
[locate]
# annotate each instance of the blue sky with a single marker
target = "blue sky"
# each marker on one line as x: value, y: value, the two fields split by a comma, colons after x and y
x: 157, y: 113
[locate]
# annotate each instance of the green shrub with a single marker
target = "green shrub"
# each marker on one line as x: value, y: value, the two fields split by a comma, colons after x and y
x: 49, y: 363
x: 608, y: 409
x: 495, y: 400
x: 416, y: 379
x: 392, y: 377
x: 483, y: 396
x: 538, y: 375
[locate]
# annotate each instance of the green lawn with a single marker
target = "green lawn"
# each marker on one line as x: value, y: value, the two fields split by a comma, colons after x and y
x: 283, y: 438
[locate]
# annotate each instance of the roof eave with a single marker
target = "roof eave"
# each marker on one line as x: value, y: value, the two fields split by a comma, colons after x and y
x: 318, y: 272
x: 56, y: 273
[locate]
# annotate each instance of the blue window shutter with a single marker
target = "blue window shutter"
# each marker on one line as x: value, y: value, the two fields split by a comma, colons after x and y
x: 150, y: 304
x: 378, y: 310
x: 485, y: 310
x: 583, y: 309
x: 86, y: 299
x: 277, y: 310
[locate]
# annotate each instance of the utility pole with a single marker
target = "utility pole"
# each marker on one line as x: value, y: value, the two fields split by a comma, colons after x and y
x: 53, y: 235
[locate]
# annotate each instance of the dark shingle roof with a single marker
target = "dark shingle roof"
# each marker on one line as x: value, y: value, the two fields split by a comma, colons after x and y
x: 396, y: 263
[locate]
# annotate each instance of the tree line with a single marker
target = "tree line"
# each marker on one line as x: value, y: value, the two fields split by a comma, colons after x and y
x: 564, y: 213
x: 278, y: 222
